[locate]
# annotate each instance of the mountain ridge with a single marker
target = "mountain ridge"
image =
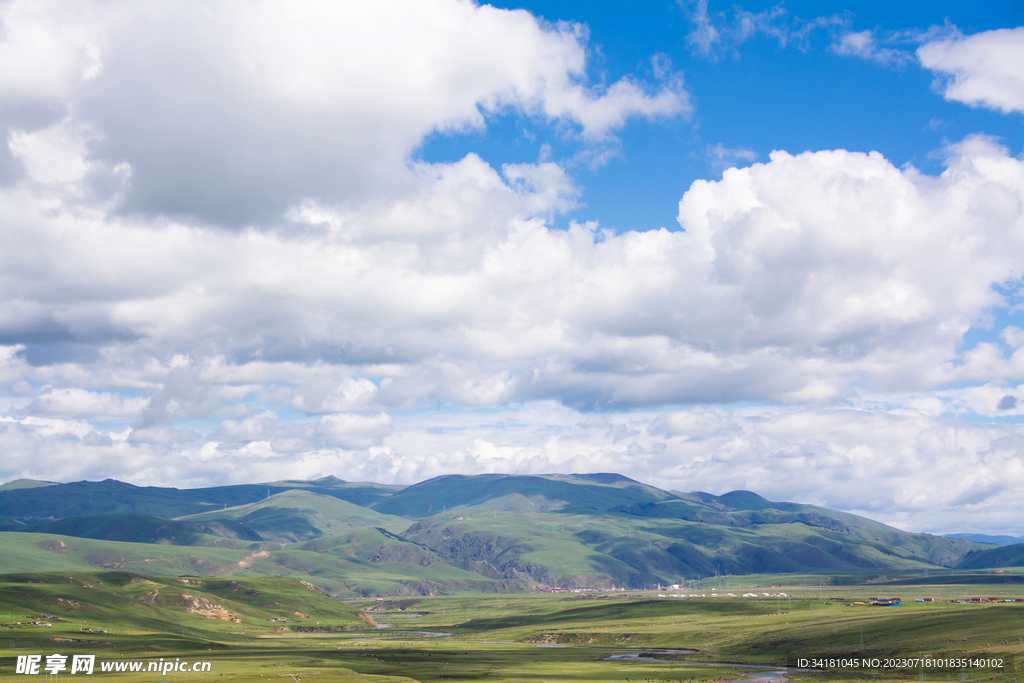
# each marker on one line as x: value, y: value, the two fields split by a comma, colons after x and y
x: 489, y: 532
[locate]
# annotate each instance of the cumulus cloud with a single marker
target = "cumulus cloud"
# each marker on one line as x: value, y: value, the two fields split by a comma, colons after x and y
x: 791, y: 280
x: 226, y: 262
x: 979, y: 70
x: 352, y: 431
x: 794, y: 280
x: 231, y: 112
x: 77, y: 402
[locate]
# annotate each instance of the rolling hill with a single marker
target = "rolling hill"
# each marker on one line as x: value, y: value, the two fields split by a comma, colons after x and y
x: 1006, y: 556
x: 110, y: 497
x: 535, y: 493
x: 298, y: 515
x: 204, y: 608
x: 986, y: 538
x: 132, y: 528
x: 453, y: 533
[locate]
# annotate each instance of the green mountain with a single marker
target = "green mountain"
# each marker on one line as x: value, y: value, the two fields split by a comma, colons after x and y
x: 1006, y: 556
x: 11, y: 524
x: 535, y: 493
x: 362, y: 563
x: 298, y: 515
x: 132, y: 528
x: 986, y: 538
x: 110, y: 497
x: 453, y: 533
x: 25, y: 484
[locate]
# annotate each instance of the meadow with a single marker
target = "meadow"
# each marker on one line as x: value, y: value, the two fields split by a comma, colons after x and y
x: 255, y: 628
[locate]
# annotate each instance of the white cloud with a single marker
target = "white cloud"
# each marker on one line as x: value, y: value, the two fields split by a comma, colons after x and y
x: 982, y: 70
x: 232, y: 112
x: 76, y: 402
x: 43, y: 59
x: 864, y: 45
x: 54, y: 155
x: 353, y: 431
x: 233, y: 247
x: 250, y: 429
x: 713, y: 35
x: 723, y: 157
x: 793, y: 279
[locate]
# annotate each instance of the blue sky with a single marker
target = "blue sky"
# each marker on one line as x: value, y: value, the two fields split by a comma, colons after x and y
x: 775, y: 247
x: 755, y: 95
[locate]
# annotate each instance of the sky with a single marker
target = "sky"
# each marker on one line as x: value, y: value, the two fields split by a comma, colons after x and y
x: 710, y: 246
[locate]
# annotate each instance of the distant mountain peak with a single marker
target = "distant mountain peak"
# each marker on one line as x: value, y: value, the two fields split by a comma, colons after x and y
x: 26, y: 484
x: 745, y: 500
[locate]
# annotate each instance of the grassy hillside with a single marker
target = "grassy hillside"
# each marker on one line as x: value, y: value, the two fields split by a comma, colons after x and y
x: 298, y: 515
x: 744, y: 509
x: 114, y: 497
x: 144, y: 529
x: 457, y: 533
x: 1006, y: 556
x: 986, y: 538
x: 193, y: 608
x: 537, y: 493
x: 11, y: 524
x: 365, y: 562
x: 25, y: 484
x: 620, y: 550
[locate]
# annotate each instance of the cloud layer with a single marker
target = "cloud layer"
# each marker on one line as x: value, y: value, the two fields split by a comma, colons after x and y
x: 224, y: 262
x: 790, y: 281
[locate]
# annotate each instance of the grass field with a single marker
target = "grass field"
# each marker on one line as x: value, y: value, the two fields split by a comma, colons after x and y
x: 255, y: 628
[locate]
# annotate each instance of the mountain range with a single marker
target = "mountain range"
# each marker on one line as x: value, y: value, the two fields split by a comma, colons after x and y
x: 453, y: 533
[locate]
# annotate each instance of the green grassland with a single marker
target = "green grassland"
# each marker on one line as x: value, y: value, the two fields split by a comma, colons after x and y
x: 258, y: 628
x: 299, y: 515
x: 331, y: 563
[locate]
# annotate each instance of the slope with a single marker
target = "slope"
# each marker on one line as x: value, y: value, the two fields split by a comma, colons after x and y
x: 298, y: 515
x: 25, y: 484
x: 1006, y: 556
x: 132, y: 528
x: 110, y: 497
x: 539, y: 493
x: 615, y: 549
x: 205, y: 608
x: 744, y: 509
x: 393, y: 566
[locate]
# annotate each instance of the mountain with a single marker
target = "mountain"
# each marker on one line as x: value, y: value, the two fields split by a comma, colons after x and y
x: 25, y: 484
x: 1006, y: 556
x: 298, y: 515
x: 132, y: 528
x: 985, y: 538
x: 452, y: 533
x: 110, y: 497
x: 536, y: 493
